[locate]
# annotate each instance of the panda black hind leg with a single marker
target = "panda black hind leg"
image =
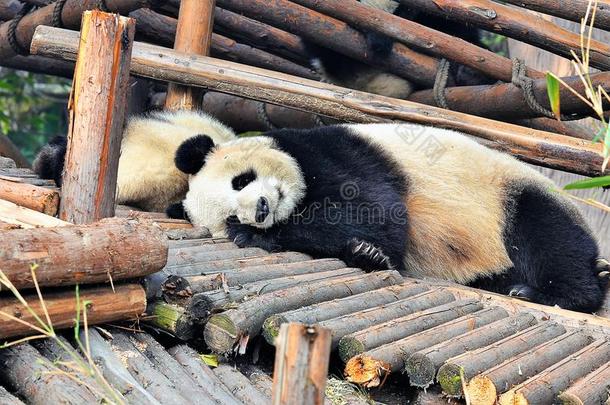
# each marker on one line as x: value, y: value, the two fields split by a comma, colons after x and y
x: 555, y: 257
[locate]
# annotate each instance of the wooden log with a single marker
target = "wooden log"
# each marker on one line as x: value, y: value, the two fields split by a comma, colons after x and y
x: 201, y: 305
x: 367, y: 339
x: 9, y: 9
x: 7, y: 163
x: 486, y: 387
x: 263, y: 383
x: 127, y: 301
x: 239, y: 385
x: 187, y: 248
x: 589, y: 390
x: 335, y: 35
x: 422, y: 366
x: 177, y: 288
x: 7, y: 398
x: 174, y: 319
x: 195, y: 232
x: 160, y: 29
x: 8, y: 149
x: 26, y: 218
x: 116, y: 249
x: 415, y: 35
x: 369, y: 368
x: 47, y: 184
x: 36, y: 380
x: 346, y: 324
x: 39, y: 64
x: 572, y: 129
x: 224, y: 330
x: 301, y: 365
x: 190, y: 360
x: 32, y: 197
x: 96, y: 128
x: 114, y: 371
x: 574, y: 10
x: 546, y: 386
x: 457, y: 371
x: 333, y: 309
x: 537, y: 147
x: 145, y: 372
x: 514, y: 23
x: 193, y: 36
x: 199, y: 255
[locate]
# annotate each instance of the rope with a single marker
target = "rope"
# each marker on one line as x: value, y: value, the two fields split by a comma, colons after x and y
x: 59, y: 7
x: 261, y: 113
x: 440, y: 84
x: 12, y: 31
x: 525, y: 83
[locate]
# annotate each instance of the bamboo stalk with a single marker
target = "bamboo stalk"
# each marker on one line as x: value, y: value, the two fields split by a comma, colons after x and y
x: 537, y: 147
x: 224, y: 330
x: 110, y: 250
x: 29, y: 196
x: 127, y: 301
x: 515, y: 23
x: 488, y: 385
x: 544, y: 387
x: 416, y: 35
x: 239, y: 385
x: 367, y: 339
x: 332, y: 309
x: 456, y: 372
x: 96, y: 128
x: 193, y: 36
x: 423, y: 365
x: 590, y: 390
x: 301, y: 365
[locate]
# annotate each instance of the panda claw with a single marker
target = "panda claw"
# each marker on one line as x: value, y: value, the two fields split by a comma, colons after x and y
x: 604, y: 275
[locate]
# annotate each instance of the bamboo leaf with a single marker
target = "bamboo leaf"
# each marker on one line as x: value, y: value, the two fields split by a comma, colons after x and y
x: 552, y: 85
x: 210, y: 359
x: 595, y: 182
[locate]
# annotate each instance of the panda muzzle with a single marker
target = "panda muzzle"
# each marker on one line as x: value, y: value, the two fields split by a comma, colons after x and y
x: 262, y: 210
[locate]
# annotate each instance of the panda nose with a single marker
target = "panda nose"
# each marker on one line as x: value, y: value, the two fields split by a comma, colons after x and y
x: 262, y: 209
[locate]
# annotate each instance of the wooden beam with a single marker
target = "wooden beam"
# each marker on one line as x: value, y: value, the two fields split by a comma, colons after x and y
x: 193, y: 36
x: 573, y: 10
x: 538, y: 147
x: 301, y: 365
x: 97, y: 112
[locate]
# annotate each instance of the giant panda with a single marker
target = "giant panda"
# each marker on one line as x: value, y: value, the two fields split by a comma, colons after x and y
x: 147, y: 177
x: 343, y: 71
x: 428, y: 202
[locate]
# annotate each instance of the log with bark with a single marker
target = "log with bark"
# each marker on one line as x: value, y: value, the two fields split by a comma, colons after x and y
x: 546, y: 386
x: 239, y: 385
x: 350, y: 323
x: 574, y: 10
x: 9, y: 9
x: 109, y: 250
x: 486, y: 387
x: 26, y: 218
x: 42, y: 65
x: 301, y: 365
x: 370, y: 368
x: 181, y: 257
x: 203, y: 375
x: 7, y: 398
x: 8, y: 149
x: 171, y: 318
x: 537, y: 147
x: 594, y: 388
x: 97, y: 115
x: 456, y: 372
x: 367, y: 339
x: 224, y: 330
x: 423, y: 365
x: 33, y: 197
x: 332, y: 309
x: 127, y: 301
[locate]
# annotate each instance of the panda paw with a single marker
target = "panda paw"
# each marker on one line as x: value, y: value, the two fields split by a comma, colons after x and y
x: 366, y: 256
x: 522, y: 292
x: 246, y: 236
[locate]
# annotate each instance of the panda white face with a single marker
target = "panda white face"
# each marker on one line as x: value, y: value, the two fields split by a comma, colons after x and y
x: 247, y: 180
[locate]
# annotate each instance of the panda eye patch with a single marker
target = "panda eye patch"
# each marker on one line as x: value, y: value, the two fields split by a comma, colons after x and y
x: 241, y: 181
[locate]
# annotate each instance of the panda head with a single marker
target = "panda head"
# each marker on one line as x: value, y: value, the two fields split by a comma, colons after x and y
x: 249, y: 179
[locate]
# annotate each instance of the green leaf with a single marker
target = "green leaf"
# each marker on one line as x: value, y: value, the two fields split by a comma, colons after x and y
x: 595, y: 182
x: 210, y: 359
x: 552, y: 85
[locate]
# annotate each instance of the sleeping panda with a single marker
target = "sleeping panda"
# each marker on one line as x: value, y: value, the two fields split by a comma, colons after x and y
x: 147, y: 177
x: 346, y: 72
x: 428, y: 202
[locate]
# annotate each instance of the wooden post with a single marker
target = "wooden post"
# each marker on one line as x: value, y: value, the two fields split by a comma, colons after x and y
x: 193, y: 36
x: 301, y: 365
x: 97, y: 105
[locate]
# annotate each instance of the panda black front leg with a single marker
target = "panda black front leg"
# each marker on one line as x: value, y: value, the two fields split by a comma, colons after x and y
x: 249, y: 236
x: 366, y: 256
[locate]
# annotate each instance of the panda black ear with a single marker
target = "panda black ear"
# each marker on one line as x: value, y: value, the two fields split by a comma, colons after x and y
x: 190, y: 156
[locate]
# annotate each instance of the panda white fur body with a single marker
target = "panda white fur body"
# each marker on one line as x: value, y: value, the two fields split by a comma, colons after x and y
x: 147, y: 176
x: 471, y: 215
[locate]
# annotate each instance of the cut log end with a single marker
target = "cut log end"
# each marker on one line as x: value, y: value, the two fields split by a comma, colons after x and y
x: 450, y: 378
x: 271, y: 327
x: 571, y: 399
x: 366, y: 371
x: 350, y: 347
x: 481, y: 390
x: 421, y: 370
x: 172, y: 319
x: 220, y: 333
